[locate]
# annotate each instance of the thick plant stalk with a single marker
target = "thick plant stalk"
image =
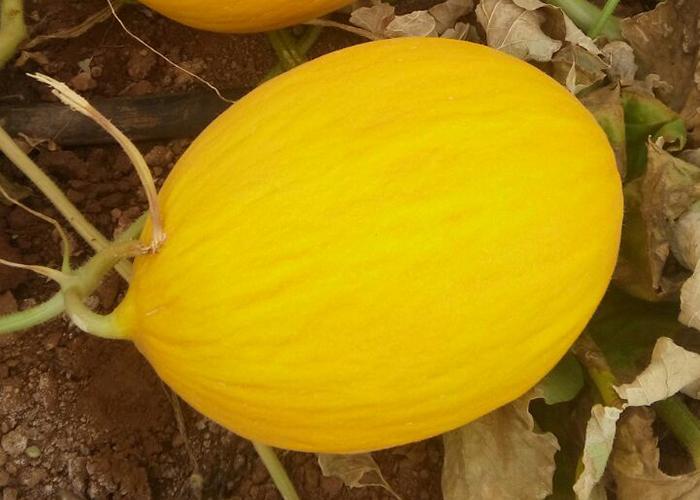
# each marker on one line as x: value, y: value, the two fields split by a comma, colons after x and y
x: 76, y: 219
x: 593, y: 359
x: 12, y: 29
x: 285, y: 49
x: 586, y: 15
x: 276, y: 470
x: 605, y: 14
x: 302, y: 46
x: 82, y: 106
x: 683, y: 423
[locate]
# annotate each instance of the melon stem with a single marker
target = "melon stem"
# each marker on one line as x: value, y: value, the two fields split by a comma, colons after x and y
x: 13, y: 30
x: 87, y: 277
x: 49, y: 188
x: 277, y: 472
x: 23, y: 320
x: 587, y: 16
x: 80, y: 105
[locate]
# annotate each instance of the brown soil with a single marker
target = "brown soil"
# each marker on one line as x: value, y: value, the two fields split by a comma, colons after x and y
x: 82, y: 417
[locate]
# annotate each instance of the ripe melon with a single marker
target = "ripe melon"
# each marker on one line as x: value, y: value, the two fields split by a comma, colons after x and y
x: 378, y: 246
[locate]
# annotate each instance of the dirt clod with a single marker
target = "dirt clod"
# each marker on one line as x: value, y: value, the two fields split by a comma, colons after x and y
x: 14, y: 443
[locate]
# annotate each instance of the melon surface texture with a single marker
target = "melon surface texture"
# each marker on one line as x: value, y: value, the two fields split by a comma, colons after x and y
x: 378, y: 246
x: 243, y: 16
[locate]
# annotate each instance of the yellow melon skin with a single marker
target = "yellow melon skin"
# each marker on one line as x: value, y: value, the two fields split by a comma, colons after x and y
x: 379, y: 246
x: 243, y: 16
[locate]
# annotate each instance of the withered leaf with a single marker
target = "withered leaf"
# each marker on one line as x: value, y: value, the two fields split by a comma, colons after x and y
x: 666, y: 41
x: 606, y: 105
x: 668, y: 191
x: 600, y: 435
x: 635, y: 463
x: 672, y: 369
x: 577, y: 69
x: 516, y: 28
x: 356, y: 471
x: 622, y: 67
x: 499, y: 456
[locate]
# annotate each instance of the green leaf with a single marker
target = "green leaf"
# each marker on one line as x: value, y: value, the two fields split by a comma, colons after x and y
x: 646, y: 116
x: 626, y: 329
x: 563, y: 383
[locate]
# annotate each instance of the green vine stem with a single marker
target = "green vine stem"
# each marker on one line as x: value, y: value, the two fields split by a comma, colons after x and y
x: 80, y: 105
x: 37, y: 315
x: 684, y: 425
x: 76, y: 219
x: 12, y: 29
x: 286, y: 50
x: 605, y: 14
x: 277, y: 471
x: 602, y: 376
x: 586, y: 15
x: 302, y: 46
x: 87, y: 279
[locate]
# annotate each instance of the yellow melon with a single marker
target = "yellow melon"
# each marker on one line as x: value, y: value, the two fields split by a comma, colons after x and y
x: 243, y: 16
x: 378, y: 246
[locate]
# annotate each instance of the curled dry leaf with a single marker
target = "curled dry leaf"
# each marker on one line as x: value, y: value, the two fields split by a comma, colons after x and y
x: 600, y: 435
x: 374, y: 19
x: 669, y: 190
x: 499, y: 456
x: 635, y: 463
x: 672, y: 369
x: 577, y: 68
x: 440, y: 20
x: 516, y: 28
x: 666, y: 41
x: 655, y: 204
x: 606, y: 105
x: 356, y: 471
x: 622, y: 67
x: 418, y: 23
x: 447, y: 14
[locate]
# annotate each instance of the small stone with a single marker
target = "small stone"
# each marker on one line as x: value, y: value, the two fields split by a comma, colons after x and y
x: 83, y: 81
x: 33, y: 452
x: 14, y: 443
x: 159, y: 156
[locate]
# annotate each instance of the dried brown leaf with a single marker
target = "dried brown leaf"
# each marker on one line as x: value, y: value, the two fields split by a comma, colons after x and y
x: 374, y: 19
x: 516, y: 28
x: 577, y: 69
x: 418, y: 23
x: 356, y: 471
x: 666, y: 41
x: 606, y: 105
x: 499, y: 456
x: 622, y: 67
x: 381, y: 20
x: 635, y: 463
x: 577, y: 37
x: 447, y: 14
x: 668, y: 191
x: 672, y: 369
x: 600, y: 435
